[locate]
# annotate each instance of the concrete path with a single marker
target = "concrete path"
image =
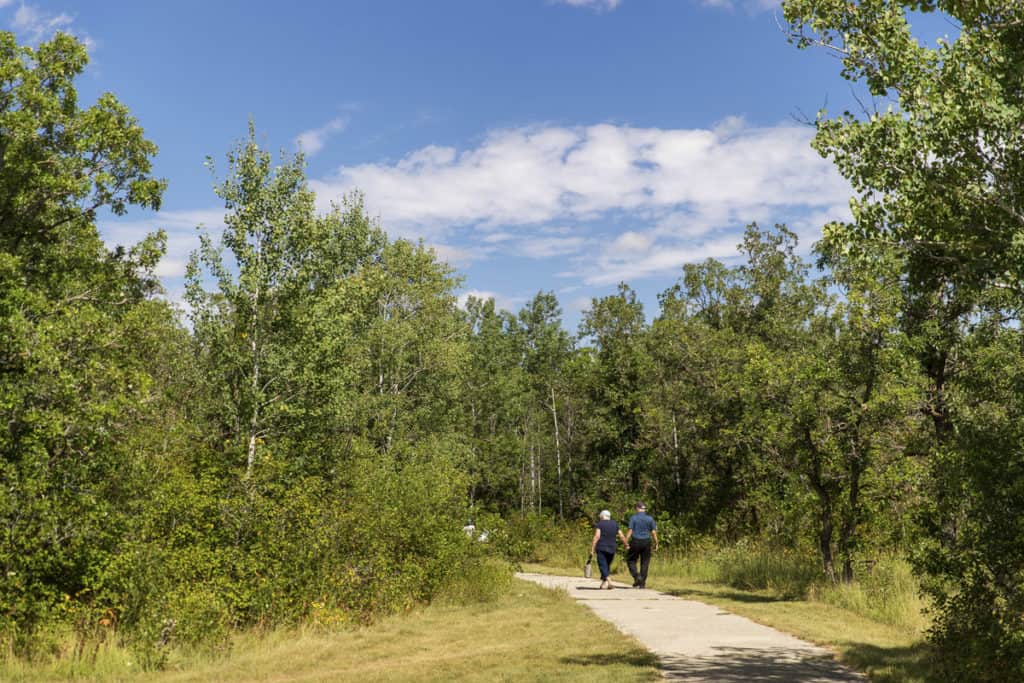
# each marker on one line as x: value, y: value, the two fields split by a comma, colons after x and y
x: 698, y: 642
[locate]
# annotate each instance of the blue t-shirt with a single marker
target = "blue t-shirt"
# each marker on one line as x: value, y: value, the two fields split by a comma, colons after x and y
x: 642, y: 524
x: 608, y: 531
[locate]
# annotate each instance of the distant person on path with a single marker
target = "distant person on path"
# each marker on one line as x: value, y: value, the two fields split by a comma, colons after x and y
x: 603, y: 545
x: 642, y: 530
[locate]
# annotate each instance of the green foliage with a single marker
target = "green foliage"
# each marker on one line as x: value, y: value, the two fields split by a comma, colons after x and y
x: 938, y: 180
x: 79, y: 332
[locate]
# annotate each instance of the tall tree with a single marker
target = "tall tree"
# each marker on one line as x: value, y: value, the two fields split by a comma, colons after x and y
x: 938, y: 175
x: 547, y: 348
x: 76, y: 320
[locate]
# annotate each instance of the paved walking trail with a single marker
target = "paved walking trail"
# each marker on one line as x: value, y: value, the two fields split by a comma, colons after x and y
x: 698, y: 642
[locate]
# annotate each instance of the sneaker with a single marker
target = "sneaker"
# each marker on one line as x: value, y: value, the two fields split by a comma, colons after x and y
x: 609, y: 586
x: 604, y: 584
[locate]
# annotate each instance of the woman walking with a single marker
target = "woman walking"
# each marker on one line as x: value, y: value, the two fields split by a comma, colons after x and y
x: 603, y: 545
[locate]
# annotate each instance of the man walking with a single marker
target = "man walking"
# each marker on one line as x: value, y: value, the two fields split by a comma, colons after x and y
x: 642, y: 530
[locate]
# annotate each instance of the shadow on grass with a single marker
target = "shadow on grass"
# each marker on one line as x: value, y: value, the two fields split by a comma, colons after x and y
x: 728, y: 595
x: 639, y: 659
x: 890, y: 664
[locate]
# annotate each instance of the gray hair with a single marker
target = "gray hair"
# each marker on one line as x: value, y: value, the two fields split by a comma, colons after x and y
x: 604, y: 514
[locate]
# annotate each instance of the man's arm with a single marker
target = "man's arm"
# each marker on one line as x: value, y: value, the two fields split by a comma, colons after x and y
x: 654, y: 535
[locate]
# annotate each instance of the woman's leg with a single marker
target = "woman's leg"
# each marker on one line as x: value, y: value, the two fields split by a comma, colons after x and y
x: 604, y: 559
x: 604, y: 564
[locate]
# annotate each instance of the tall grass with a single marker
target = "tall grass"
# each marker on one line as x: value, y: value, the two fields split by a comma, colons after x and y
x: 747, y: 566
x: 886, y: 592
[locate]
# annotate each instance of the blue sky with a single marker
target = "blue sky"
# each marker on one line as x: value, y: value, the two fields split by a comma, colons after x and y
x: 537, y: 144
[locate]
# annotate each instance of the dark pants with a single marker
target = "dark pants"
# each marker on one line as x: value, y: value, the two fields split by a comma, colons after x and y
x: 639, y: 548
x: 604, y: 562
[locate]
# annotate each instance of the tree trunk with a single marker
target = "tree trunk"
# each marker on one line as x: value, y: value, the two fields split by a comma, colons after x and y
x: 825, y: 507
x: 558, y: 453
x: 533, y: 477
x: 254, y: 417
x: 675, y: 456
x: 849, y: 527
x: 825, y: 542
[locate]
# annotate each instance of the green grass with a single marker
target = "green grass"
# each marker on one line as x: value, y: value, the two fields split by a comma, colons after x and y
x: 526, y: 634
x: 875, y: 626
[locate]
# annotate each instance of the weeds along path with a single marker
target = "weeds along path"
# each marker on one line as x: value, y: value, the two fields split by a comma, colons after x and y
x: 698, y: 642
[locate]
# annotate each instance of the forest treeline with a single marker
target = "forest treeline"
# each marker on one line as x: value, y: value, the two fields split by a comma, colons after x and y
x: 307, y: 443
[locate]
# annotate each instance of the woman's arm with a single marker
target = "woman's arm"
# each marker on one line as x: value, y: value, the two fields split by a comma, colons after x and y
x: 593, y: 544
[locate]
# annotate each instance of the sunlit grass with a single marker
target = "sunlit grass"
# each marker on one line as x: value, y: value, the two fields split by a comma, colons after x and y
x: 527, y: 634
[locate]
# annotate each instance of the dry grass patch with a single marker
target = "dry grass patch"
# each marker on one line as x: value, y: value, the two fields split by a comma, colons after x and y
x: 528, y: 634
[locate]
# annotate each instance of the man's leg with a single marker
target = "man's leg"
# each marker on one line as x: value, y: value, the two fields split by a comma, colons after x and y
x: 645, y: 561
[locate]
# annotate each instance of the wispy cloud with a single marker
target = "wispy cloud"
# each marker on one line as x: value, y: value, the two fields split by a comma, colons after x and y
x: 549, y: 247
x: 313, y: 140
x: 591, y: 4
x: 746, y: 5
x: 34, y: 24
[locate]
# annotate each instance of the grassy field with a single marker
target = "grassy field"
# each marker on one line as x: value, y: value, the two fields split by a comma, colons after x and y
x: 887, y: 652
x: 527, y: 634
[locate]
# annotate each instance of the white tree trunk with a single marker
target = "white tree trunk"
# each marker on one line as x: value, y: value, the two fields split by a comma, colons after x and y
x: 558, y: 452
x: 254, y: 417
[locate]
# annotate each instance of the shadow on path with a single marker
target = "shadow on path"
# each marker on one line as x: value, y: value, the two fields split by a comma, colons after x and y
x: 694, y: 594
x: 641, y: 659
x: 728, y: 665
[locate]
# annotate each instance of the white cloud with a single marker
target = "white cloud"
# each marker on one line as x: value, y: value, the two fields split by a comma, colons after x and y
x: 508, y: 303
x: 35, y: 24
x: 313, y: 140
x: 613, y: 265
x: 632, y: 242
x: 592, y: 4
x: 460, y: 257
x: 617, y: 202
x: 537, y: 175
